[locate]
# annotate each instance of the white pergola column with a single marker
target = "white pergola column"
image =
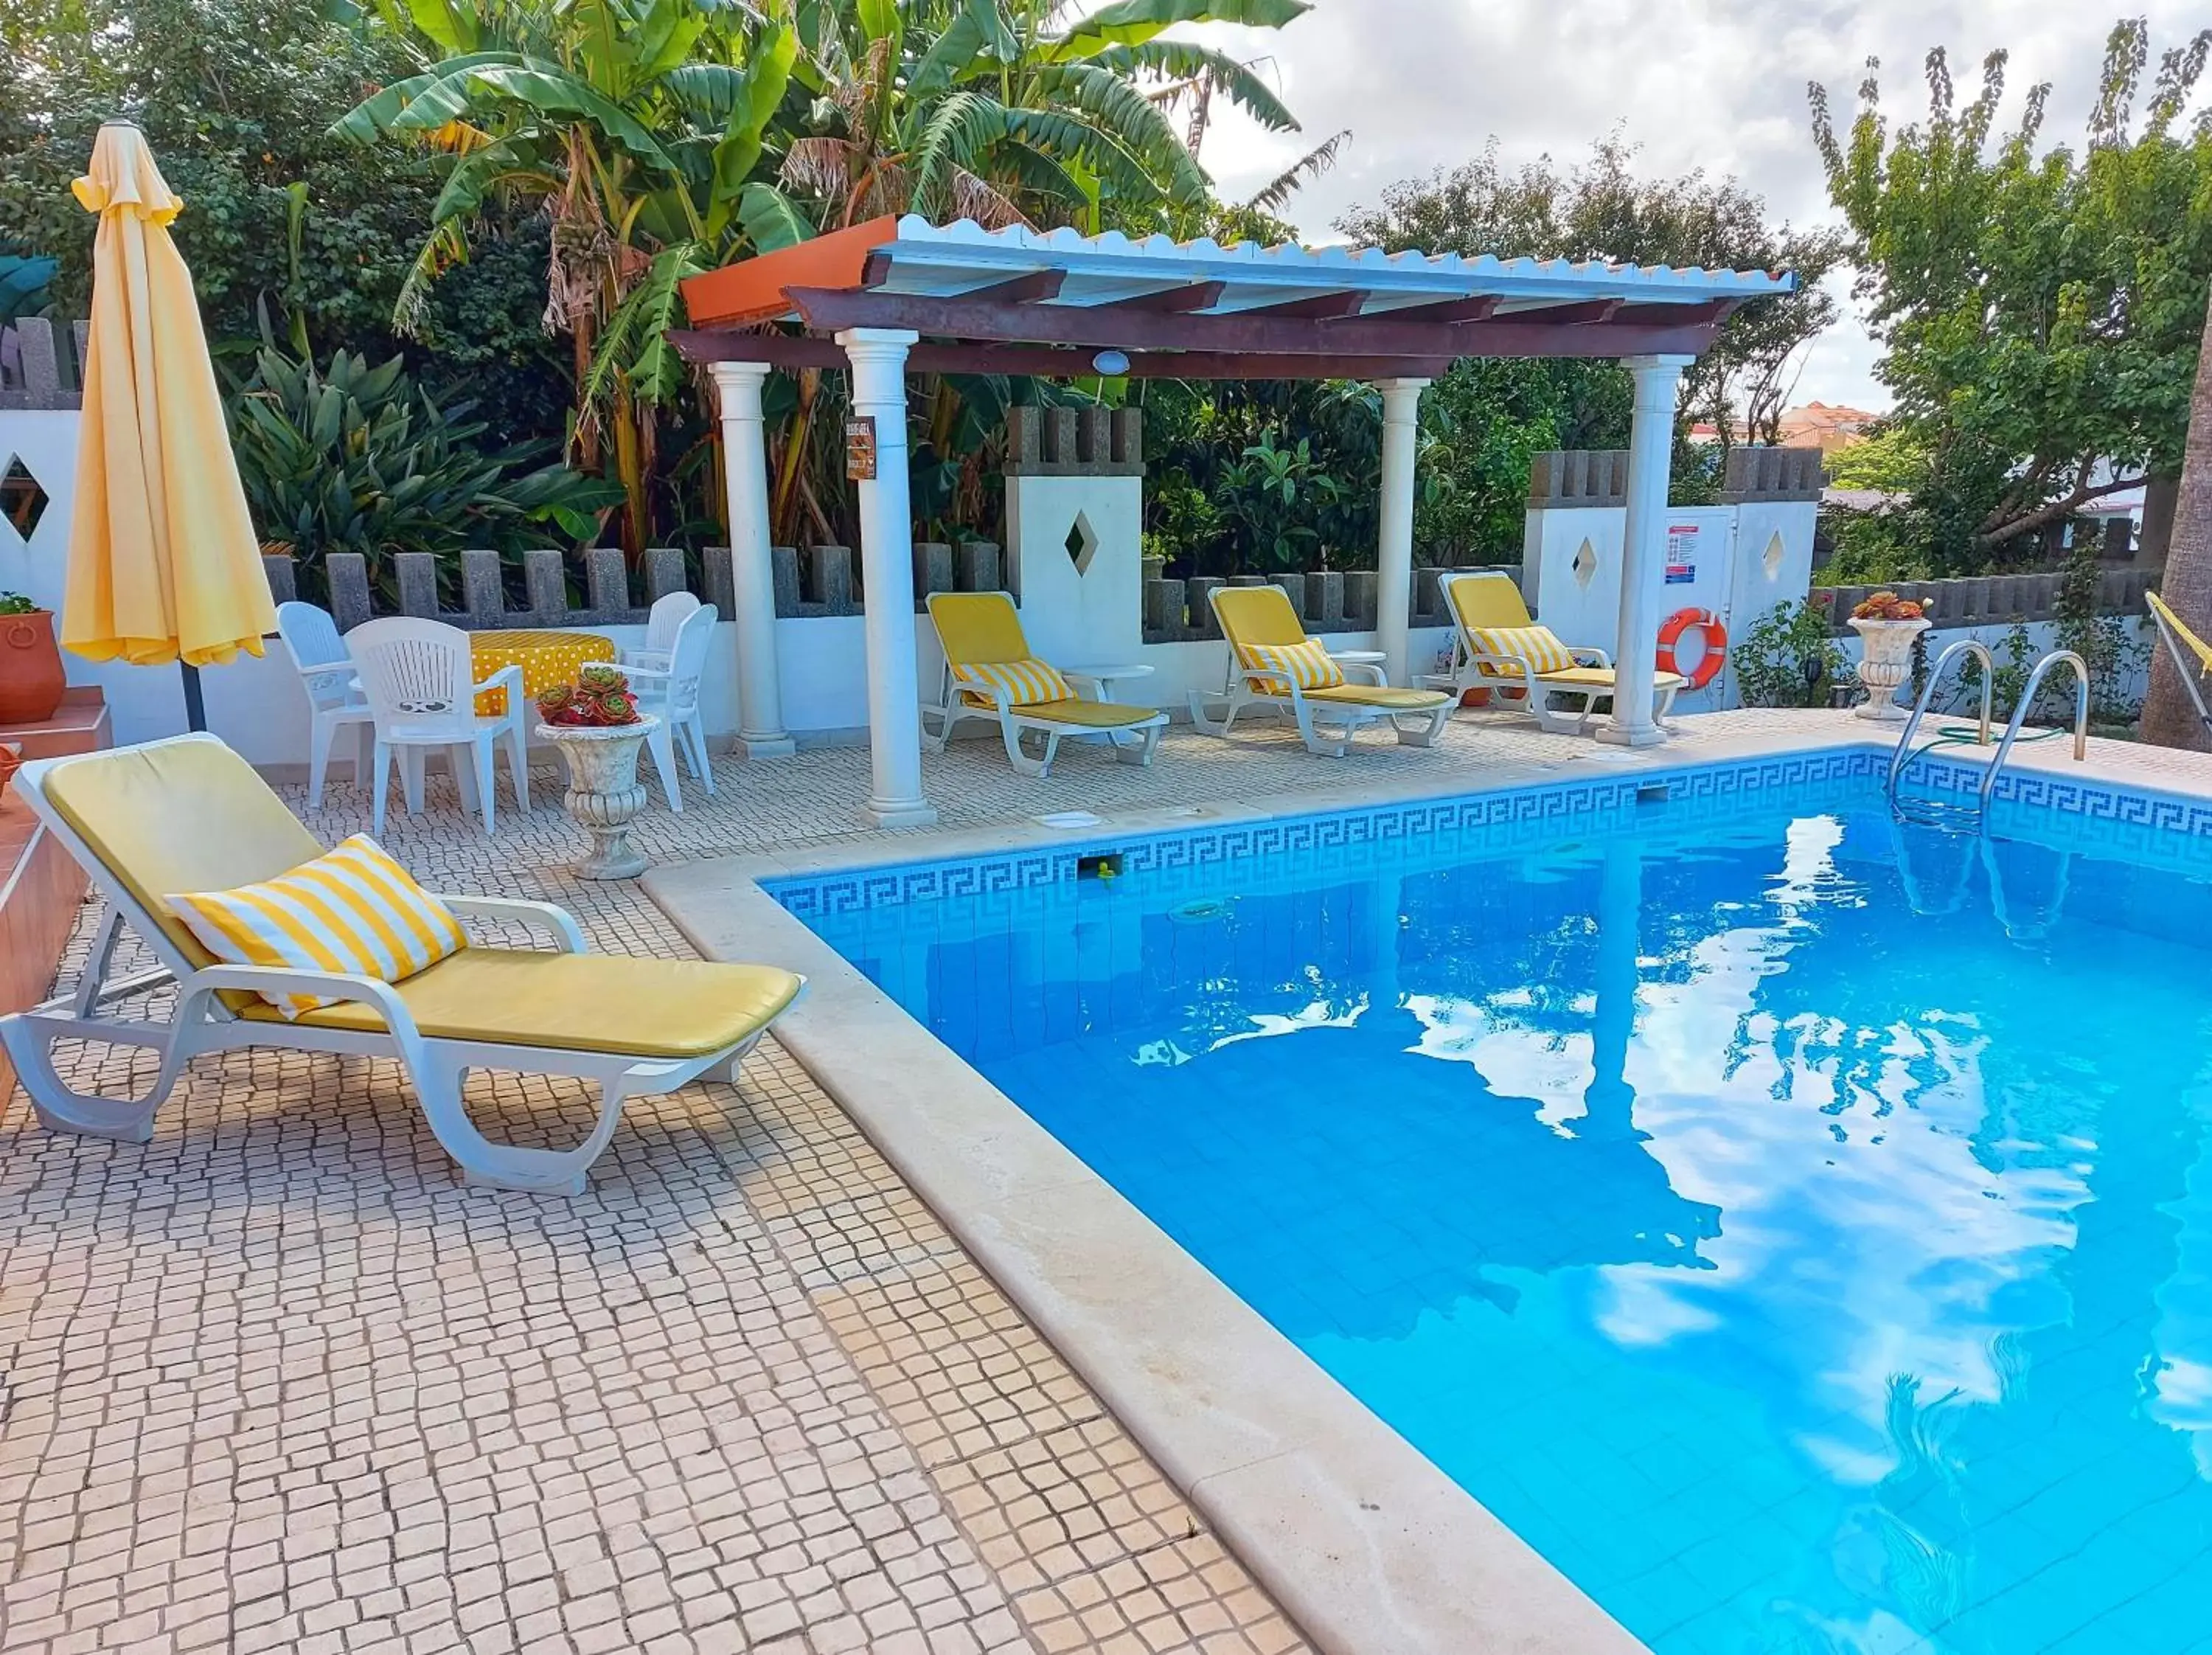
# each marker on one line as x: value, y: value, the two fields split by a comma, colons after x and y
x: 1643, y: 557
x: 1393, y: 548
x: 761, y: 734
x: 895, y: 796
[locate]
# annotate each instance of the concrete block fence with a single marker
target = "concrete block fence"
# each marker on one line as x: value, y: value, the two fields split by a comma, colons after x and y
x: 1992, y: 599
x: 817, y: 581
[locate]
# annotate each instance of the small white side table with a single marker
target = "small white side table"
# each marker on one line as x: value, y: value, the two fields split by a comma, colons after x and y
x: 1361, y: 658
x: 1106, y: 677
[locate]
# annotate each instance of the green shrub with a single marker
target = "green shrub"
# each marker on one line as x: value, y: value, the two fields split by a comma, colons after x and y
x: 1786, y: 658
x: 359, y: 459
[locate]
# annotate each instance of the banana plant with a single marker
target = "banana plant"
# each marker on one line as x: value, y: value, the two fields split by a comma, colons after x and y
x: 996, y: 111
x: 645, y: 129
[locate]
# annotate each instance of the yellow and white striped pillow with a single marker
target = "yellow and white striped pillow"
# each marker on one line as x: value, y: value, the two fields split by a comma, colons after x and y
x: 1027, y: 683
x: 352, y: 909
x: 1307, y: 664
x: 1539, y: 645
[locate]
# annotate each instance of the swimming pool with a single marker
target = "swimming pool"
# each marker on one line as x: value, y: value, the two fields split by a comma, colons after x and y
x: 1797, y: 1228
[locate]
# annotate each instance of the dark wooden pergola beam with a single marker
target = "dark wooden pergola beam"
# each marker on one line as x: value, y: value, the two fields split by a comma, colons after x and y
x: 1582, y: 314
x: 1172, y: 302
x: 1319, y: 307
x: 1444, y: 310
x: 1037, y: 284
x: 791, y: 352
x: 1545, y: 333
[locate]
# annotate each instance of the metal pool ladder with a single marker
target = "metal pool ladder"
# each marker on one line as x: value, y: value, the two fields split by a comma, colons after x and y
x: 1904, y: 754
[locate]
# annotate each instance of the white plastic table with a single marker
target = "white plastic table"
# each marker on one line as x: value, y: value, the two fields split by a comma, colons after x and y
x: 1106, y: 677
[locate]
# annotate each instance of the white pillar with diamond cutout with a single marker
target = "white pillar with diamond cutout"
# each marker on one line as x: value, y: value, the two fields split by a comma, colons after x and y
x: 895, y: 795
x: 1075, y: 513
x: 37, y: 479
x: 761, y: 734
x: 1650, y: 464
x: 1394, y: 550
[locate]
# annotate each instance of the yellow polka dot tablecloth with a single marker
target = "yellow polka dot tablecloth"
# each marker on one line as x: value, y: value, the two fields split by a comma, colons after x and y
x: 546, y: 659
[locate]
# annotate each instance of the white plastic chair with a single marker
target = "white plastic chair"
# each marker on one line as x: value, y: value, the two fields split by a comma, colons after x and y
x: 334, y: 701
x: 670, y: 694
x: 422, y: 688
x: 662, y: 623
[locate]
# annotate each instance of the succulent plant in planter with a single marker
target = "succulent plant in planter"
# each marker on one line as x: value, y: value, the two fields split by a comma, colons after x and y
x: 600, y: 698
x: 595, y: 722
x: 1887, y: 625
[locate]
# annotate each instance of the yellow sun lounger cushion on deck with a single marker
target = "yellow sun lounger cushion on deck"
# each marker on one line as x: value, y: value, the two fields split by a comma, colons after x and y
x: 1091, y: 714
x: 1370, y: 695
x: 612, y: 1003
x: 1601, y: 678
x: 179, y: 815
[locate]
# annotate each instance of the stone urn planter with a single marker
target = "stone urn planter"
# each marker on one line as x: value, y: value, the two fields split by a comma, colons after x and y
x: 1885, y: 663
x: 605, y: 794
x: 31, y: 678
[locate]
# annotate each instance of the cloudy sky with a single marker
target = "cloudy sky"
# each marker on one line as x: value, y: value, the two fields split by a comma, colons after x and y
x: 1713, y: 83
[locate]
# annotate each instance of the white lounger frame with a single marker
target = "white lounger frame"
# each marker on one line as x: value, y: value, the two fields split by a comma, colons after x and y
x: 202, y: 1024
x: 1472, y: 669
x: 952, y: 708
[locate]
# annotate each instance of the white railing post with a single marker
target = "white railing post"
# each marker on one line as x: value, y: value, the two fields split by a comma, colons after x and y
x: 1394, y: 549
x: 761, y: 734
x: 1643, y: 556
x: 895, y: 795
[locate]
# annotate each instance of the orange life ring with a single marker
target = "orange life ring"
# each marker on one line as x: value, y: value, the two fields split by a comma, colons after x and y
x: 1715, y: 636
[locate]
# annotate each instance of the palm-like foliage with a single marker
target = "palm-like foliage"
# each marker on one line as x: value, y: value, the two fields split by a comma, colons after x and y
x: 1000, y: 110
x: 664, y: 138
x: 641, y: 126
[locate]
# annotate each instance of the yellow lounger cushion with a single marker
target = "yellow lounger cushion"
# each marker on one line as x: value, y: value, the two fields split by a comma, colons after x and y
x: 1307, y: 663
x: 1537, y: 645
x: 351, y: 910
x: 1384, y: 699
x: 613, y: 1003
x: 1600, y: 677
x: 1027, y: 683
x: 126, y: 805
x: 1090, y: 714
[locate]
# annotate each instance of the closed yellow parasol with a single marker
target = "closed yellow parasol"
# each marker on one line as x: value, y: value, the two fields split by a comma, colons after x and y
x: 163, y: 561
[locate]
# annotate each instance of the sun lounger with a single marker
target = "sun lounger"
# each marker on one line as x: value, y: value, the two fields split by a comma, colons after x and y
x: 1272, y: 663
x: 188, y: 815
x: 991, y: 672
x: 1498, y: 647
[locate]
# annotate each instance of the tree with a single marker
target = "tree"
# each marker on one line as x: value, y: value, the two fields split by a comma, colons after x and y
x: 2039, y: 313
x: 279, y: 217
x: 2169, y: 718
x: 638, y: 126
x: 995, y: 110
x: 1602, y: 210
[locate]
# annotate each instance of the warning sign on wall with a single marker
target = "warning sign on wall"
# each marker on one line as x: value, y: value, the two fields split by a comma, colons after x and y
x: 1681, y: 554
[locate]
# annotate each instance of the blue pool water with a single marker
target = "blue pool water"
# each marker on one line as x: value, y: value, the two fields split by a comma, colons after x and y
x: 1797, y: 1228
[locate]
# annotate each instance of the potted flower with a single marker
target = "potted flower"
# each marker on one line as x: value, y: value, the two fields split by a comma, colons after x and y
x: 595, y: 722
x: 1887, y: 625
x: 31, y: 676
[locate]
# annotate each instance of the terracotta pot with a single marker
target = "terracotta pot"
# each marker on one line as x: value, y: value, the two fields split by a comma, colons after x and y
x: 31, y: 680
x: 11, y: 760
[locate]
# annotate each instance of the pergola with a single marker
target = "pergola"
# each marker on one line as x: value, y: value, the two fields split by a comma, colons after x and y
x: 902, y: 294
